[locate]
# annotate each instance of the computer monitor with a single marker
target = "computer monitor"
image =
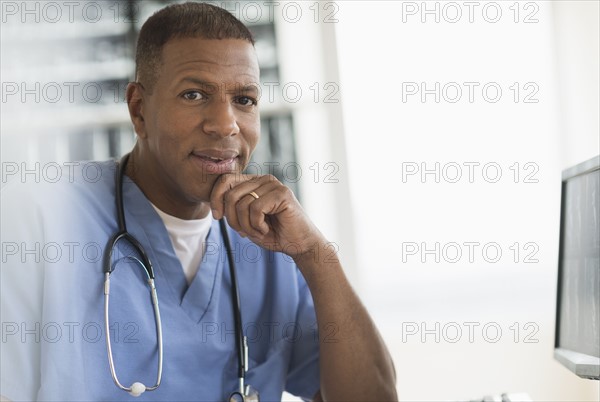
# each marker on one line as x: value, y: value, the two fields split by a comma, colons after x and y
x: 577, y: 340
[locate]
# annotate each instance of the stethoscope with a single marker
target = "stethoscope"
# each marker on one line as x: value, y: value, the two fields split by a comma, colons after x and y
x: 244, y: 392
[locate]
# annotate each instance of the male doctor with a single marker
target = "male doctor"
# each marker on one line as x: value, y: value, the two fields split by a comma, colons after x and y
x: 194, y: 107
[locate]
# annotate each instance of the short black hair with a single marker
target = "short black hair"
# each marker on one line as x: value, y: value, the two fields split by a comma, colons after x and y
x: 187, y: 20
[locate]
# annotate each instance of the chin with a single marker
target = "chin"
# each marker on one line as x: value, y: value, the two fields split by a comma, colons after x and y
x: 198, y: 192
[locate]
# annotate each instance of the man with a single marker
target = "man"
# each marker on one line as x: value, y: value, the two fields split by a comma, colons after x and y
x: 194, y: 107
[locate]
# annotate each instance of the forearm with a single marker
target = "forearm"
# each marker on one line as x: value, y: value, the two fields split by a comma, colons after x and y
x: 355, y: 364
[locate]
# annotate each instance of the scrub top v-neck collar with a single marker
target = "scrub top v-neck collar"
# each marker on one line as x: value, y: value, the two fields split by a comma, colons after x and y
x: 142, y: 221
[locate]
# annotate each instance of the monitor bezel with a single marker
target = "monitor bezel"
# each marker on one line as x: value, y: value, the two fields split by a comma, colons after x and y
x: 583, y: 365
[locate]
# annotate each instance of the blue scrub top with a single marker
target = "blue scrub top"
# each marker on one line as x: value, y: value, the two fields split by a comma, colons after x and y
x: 54, y: 234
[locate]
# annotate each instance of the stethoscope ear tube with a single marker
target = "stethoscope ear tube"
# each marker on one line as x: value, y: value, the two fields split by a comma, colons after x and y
x: 137, y: 388
x: 119, y: 193
x: 122, y: 231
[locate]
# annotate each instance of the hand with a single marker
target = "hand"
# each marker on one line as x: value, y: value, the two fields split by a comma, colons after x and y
x: 275, y: 220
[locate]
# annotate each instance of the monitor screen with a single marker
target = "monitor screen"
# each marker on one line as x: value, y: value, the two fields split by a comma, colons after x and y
x: 577, y: 342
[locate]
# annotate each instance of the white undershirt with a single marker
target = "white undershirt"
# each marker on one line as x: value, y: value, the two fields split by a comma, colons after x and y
x: 188, y: 238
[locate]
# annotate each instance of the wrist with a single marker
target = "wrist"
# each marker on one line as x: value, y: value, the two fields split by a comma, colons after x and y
x: 321, y: 253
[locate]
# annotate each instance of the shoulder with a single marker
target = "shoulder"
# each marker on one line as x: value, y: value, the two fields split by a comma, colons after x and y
x: 55, y: 197
x: 32, y: 181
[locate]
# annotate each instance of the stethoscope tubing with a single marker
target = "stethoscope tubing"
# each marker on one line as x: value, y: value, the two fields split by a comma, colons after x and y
x: 241, y: 341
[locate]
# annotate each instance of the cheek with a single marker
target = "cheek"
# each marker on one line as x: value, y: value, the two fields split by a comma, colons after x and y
x: 253, y: 134
x: 173, y: 129
x: 254, y: 141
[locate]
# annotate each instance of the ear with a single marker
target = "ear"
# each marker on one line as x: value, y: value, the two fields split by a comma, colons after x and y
x: 135, y: 103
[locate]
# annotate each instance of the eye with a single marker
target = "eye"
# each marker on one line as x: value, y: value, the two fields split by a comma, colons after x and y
x: 193, y: 95
x: 246, y: 101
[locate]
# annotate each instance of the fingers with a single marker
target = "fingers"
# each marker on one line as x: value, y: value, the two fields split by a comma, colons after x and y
x: 233, y: 197
x: 251, y: 212
x: 223, y: 184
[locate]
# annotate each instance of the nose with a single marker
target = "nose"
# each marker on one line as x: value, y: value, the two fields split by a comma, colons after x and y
x: 221, y: 120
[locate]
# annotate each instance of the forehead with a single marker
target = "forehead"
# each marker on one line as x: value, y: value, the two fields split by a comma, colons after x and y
x: 216, y: 60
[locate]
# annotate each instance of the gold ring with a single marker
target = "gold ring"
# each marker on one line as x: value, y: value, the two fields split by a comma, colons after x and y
x: 253, y: 194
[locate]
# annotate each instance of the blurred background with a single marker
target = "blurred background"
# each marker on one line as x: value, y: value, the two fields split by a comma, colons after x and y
x: 426, y: 139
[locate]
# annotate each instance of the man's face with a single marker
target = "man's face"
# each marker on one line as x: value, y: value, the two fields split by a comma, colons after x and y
x: 201, y: 119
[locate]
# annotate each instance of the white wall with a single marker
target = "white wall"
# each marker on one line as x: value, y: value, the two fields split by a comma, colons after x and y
x: 383, y: 48
x: 577, y: 39
x: 308, y: 61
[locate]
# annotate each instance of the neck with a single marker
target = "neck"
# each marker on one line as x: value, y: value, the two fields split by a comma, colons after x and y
x: 164, y: 198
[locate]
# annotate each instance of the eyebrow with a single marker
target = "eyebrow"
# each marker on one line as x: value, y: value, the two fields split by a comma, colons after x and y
x: 252, y: 87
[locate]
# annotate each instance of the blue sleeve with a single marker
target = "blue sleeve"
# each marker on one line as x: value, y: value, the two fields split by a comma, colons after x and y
x: 303, y: 378
x: 21, y: 284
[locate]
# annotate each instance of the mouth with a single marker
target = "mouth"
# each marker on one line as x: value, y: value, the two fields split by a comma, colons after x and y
x: 216, y: 162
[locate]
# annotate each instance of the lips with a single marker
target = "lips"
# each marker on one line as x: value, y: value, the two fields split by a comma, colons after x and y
x: 214, y: 161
